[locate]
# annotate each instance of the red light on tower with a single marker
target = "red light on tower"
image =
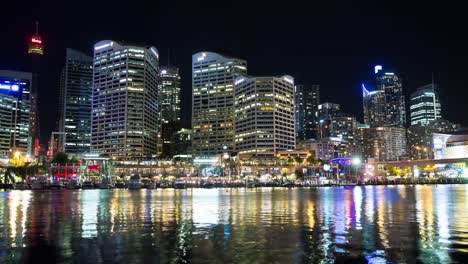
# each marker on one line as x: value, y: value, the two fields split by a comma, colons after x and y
x: 36, y: 40
x: 35, y: 46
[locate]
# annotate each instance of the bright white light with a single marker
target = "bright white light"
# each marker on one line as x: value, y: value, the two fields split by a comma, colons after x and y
x: 239, y: 81
x: 110, y: 44
x: 356, y: 161
x: 377, y: 68
x: 202, y: 57
x: 289, y: 80
x: 163, y: 72
x: 155, y: 53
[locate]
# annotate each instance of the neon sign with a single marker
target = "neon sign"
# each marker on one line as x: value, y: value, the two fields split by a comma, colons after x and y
x: 11, y: 87
x: 36, y: 40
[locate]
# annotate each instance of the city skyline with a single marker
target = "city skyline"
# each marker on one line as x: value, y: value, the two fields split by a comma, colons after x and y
x: 338, y: 67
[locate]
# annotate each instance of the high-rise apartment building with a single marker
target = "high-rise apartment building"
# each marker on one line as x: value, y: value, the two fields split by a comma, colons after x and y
x: 75, y: 103
x: 125, y: 122
x: 264, y: 116
x: 384, y: 104
x: 213, y: 102
x: 15, y: 106
x: 325, y: 114
x: 424, y: 105
x: 306, y: 101
x: 384, y: 143
x: 169, y: 105
x: 374, y: 107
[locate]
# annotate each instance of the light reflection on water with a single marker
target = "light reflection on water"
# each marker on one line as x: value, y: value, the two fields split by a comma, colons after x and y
x: 375, y: 224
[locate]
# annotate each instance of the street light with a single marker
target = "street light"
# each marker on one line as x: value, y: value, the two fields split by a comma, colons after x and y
x: 356, y: 162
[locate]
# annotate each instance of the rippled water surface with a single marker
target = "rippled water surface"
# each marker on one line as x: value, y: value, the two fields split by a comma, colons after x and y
x: 393, y: 224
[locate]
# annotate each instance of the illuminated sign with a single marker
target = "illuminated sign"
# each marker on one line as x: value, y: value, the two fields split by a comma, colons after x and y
x: 109, y: 44
x: 36, y: 40
x: 163, y: 72
x: 11, y: 87
x: 93, y: 167
x: 202, y: 57
x: 377, y: 68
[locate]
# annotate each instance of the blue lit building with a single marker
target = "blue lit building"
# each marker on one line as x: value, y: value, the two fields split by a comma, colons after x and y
x: 15, y: 106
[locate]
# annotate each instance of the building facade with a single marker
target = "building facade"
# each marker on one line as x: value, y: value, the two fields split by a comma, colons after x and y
x: 326, y: 112
x: 264, y: 116
x: 306, y: 101
x: 182, y: 142
x: 384, y: 143
x: 125, y: 118
x: 424, y: 106
x: 420, y: 138
x: 213, y: 102
x: 169, y: 105
x: 75, y: 103
x: 15, y: 115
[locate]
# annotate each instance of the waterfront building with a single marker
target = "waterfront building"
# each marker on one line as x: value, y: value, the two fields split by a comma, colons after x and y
x: 324, y: 148
x: 306, y: 101
x: 75, y: 103
x: 326, y: 112
x: 424, y: 105
x: 384, y: 104
x: 125, y: 121
x: 384, y: 143
x: 182, y: 142
x: 420, y: 138
x: 264, y: 116
x: 213, y: 102
x: 169, y: 105
x: 450, y: 146
x: 15, y: 105
x: 36, y: 51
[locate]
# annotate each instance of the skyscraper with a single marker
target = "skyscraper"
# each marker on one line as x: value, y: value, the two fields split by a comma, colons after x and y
x: 169, y: 105
x: 124, y: 122
x: 15, y: 104
x: 35, y: 50
x: 424, y: 105
x: 75, y: 103
x: 264, y: 116
x: 306, y: 101
x: 374, y: 107
x: 325, y: 114
x: 384, y: 105
x: 213, y: 102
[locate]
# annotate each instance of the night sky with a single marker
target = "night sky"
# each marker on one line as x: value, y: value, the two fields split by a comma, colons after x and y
x: 334, y: 44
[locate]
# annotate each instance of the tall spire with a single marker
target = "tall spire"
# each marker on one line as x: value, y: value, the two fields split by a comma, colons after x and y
x: 37, y: 27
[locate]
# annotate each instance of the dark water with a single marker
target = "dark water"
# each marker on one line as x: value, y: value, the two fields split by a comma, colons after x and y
x: 399, y: 224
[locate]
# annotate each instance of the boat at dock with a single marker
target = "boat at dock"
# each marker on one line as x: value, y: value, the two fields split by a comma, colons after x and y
x: 40, y: 183
x: 135, y: 182
x: 56, y: 185
x: 106, y: 183
x: 87, y: 185
x: 73, y: 184
x: 180, y: 185
x: 20, y: 186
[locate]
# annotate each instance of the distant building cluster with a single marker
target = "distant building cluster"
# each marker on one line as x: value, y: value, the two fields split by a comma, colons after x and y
x: 121, y: 103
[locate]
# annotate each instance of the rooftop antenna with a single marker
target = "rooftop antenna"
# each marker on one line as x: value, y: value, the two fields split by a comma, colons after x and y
x: 37, y: 27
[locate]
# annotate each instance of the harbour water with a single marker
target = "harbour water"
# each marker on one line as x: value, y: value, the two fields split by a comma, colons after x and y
x: 362, y: 224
